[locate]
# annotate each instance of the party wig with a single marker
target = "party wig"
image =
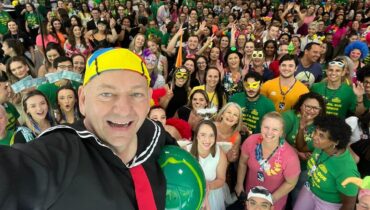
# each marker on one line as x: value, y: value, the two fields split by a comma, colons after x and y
x: 357, y: 45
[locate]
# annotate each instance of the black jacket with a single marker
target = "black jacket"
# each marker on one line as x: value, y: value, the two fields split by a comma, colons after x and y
x: 69, y: 168
x: 90, y: 25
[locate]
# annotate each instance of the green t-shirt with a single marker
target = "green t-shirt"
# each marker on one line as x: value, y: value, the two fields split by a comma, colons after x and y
x: 31, y: 19
x: 4, y: 18
x: 166, y: 39
x: 50, y: 91
x: 326, y: 180
x: 291, y: 126
x: 154, y: 7
x: 339, y: 102
x: 253, y: 111
x: 6, y: 140
x: 12, y: 115
x: 189, y: 3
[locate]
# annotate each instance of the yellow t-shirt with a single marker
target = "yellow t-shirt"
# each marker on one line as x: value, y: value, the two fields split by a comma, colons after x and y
x: 212, y: 96
x: 271, y: 89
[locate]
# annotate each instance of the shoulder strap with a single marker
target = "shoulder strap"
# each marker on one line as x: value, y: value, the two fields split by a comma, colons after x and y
x: 26, y: 132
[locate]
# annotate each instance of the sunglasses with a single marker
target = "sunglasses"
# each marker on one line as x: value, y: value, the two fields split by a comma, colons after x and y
x: 257, y: 54
x: 338, y: 63
x: 181, y: 75
x: 252, y: 85
x: 258, y: 190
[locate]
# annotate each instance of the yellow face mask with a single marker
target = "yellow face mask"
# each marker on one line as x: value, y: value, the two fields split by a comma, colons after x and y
x: 252, y: 85
x: 181, y: 75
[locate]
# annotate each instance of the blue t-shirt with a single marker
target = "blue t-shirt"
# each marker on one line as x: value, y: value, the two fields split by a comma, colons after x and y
x: 310, y: 75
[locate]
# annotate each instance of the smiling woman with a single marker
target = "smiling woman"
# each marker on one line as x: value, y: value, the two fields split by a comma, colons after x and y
x: 213, y: 88
x: 299, y: 125
x: 264, y: 161
x: 17, y: 69
x: 39, y: 117
x: 329, y: 165
x: 198, y: 100
x: 213, y: 162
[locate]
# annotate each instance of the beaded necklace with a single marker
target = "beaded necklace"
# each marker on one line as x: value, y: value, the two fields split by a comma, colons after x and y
x: 264, y: 164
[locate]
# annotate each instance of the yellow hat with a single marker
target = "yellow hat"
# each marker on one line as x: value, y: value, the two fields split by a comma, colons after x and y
x: 114, y: 59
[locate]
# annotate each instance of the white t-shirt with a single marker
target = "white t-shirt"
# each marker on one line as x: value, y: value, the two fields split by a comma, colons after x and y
x: 355, y: 128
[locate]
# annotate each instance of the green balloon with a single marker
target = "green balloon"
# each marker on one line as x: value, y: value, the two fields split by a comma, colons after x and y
x: 186, y: 184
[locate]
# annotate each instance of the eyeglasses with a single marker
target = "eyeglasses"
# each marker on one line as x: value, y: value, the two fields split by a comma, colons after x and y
x: 201, y: 63
x: 80, y: 63
x: 309, y: 108
x: 338, y: 63
x: 65, y: 67
x: 181, y: 75
x: 257, y: 54
x: 252, y: 85
x: 366, y: 82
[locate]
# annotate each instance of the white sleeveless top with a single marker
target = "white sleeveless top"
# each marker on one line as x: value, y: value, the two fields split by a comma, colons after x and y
x: 209, y: 164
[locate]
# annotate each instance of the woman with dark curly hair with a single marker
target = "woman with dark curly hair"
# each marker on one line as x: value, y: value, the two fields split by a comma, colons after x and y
x: 298, y: 124
x: 75, y: 20
x: 329, y: 165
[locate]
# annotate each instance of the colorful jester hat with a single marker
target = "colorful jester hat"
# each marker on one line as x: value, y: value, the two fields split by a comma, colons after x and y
x: 361, y: 183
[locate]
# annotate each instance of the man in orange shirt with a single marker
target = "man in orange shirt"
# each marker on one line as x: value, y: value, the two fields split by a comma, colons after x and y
x: 284, y: 90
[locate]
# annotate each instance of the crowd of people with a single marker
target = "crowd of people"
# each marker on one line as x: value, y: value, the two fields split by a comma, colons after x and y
x: 271, y: 97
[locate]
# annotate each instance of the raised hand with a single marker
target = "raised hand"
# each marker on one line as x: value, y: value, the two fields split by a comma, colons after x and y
x: 202, y: 26
x: 112, y: 23
x: 358, y: 89
x: 291, y: 5
x: 180, y: 31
